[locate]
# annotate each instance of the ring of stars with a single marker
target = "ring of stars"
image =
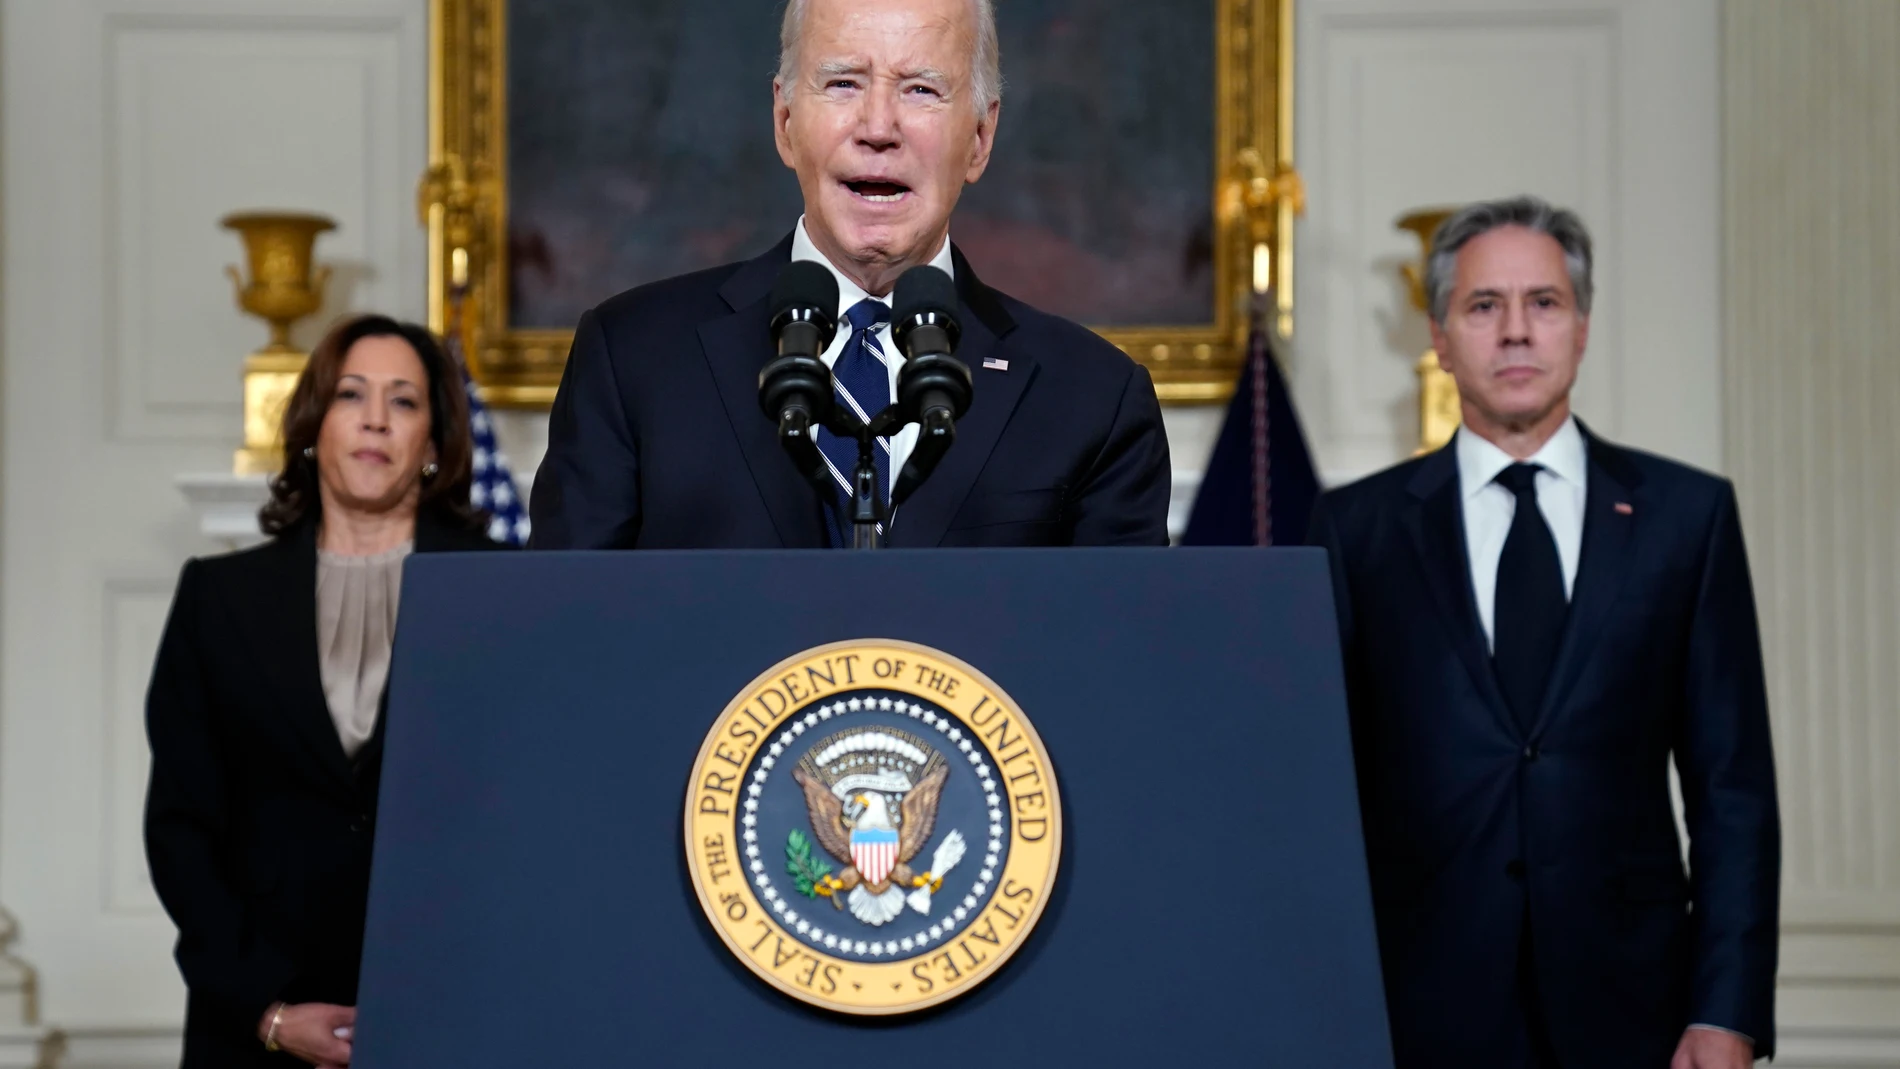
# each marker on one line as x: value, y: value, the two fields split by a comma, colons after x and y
x: 785, y: 910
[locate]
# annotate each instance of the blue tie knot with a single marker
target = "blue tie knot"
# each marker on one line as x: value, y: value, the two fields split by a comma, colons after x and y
x: 1519, y: 479
x: 868, y: 313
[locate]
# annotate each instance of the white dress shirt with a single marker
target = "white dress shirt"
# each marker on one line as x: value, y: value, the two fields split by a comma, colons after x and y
x: 1489, y: 508
x: 849, y: 294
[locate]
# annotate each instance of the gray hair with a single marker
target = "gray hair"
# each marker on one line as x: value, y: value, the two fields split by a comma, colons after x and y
x: 1532, y: 213
x: 986, y: 64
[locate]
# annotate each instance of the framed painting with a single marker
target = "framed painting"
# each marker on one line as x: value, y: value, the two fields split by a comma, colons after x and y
x: 1141, y: 182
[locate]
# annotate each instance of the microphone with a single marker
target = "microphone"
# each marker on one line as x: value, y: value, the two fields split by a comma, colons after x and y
x: 795, y: 389
x: 934, y: 388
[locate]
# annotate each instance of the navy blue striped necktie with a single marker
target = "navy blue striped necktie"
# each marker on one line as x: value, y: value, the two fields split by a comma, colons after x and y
x: 863, y: 379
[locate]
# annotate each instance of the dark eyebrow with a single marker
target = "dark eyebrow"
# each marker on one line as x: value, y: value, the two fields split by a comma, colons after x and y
x: 341, y: 379
x: 1475, y: 294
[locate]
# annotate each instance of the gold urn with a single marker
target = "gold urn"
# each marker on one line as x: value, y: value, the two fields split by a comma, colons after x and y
x: 285, y: 285
x: 1438, y: 411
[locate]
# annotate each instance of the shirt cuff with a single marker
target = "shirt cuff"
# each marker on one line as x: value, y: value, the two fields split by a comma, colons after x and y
x: 1750, y: 1040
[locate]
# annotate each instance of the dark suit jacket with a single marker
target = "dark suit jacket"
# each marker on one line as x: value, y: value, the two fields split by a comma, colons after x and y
x: 257, y: 826
x: 1468, y: 821
x: 656, y: 438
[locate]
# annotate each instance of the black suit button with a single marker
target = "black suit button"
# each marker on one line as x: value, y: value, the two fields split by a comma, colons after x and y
x: 1514, y: 868
x: 1532, y: 753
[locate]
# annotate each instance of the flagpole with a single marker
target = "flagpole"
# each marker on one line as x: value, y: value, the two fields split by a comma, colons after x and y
x: 1257, y: 356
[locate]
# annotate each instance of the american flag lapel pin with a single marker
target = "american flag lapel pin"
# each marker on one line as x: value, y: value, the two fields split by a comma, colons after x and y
x: 993, y: 364
x: 1623, y: 508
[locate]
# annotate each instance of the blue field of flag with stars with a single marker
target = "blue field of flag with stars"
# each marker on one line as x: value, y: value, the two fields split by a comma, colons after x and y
x: 493, y: 489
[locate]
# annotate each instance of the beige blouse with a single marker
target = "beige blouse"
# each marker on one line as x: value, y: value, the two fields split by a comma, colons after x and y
x: 356, y: 628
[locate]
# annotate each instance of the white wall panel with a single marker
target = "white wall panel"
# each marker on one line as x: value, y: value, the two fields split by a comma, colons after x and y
x: 1606, y: 107
x: 1812, y: 164
x: 203, y: 108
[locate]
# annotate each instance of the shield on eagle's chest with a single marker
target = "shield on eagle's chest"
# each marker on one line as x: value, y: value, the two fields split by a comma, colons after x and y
x: 874, y: 852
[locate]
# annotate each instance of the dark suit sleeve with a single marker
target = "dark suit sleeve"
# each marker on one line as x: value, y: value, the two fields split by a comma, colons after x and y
x: 1123, y: 501
x: 1323, y: 531
x: 187, y: 826
x: 587, y: 491
x: 1724, y: 754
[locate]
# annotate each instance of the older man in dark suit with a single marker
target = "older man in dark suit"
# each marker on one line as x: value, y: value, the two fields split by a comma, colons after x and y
x: 885, y: 109
x: 1535, y: 623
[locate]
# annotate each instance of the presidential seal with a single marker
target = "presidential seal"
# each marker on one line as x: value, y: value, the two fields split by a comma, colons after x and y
x: 873, y: 827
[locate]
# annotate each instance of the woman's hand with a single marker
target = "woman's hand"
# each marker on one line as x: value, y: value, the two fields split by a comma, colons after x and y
x: 309, y: 1031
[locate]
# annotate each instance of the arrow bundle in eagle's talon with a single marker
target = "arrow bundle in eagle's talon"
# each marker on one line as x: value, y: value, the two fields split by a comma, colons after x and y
x: 949, y: 852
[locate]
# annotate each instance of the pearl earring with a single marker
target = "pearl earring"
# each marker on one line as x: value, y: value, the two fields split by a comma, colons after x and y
x: 310, y: 452
x: 429, y: 470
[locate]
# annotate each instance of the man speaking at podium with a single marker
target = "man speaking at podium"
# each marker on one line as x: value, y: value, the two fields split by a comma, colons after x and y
x: 885, y: 109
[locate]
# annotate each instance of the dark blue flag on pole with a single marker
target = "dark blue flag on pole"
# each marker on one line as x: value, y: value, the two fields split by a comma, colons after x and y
x: 1259, y: 486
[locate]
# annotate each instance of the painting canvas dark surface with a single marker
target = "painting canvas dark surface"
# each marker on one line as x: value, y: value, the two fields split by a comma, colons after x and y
x: 640, y: 147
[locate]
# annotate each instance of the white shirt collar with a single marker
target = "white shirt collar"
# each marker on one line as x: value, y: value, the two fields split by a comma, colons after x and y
x: 1564, y: 455
x: 849, y: 292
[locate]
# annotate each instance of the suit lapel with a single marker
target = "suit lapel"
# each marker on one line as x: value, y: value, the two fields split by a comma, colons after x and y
x: 925, y: 518
x: 286, y: 629
x: 737, y: 346
x: 1602, y: 565
x: 1436, y: 523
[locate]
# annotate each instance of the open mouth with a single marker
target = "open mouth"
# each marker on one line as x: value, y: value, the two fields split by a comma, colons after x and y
x: 877, y: 190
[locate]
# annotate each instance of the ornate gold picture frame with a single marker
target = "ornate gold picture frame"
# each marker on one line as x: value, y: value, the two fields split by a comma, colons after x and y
x: 464, y: 202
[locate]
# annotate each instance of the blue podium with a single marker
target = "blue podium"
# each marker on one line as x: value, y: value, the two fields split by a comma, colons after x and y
x: 531, y: 904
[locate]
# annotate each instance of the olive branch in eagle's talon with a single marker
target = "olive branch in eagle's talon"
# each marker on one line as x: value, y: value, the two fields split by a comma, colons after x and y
x: 811, y: 876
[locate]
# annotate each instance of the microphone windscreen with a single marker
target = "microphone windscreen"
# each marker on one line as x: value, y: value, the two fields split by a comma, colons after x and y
x: 805, y: 284
x: 923, y: 289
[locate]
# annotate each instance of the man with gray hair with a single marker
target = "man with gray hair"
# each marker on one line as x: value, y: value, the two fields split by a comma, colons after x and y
x: 1535, y: 622
x: 885, y: 110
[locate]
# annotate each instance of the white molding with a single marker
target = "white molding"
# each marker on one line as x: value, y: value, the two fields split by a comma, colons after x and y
x: 226, y: 506
x: 132, y: 612
x: 159, y: 382
x: 30, y: 1048
x: 127, y: 1047
x: 1838, y: 1048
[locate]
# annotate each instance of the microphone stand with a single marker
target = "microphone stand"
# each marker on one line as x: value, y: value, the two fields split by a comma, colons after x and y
x: 867, y: 497
x: 869, y: 507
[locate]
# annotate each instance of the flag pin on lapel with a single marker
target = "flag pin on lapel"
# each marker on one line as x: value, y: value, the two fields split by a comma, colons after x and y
x: 993, y: 364
x: 1623, y: 508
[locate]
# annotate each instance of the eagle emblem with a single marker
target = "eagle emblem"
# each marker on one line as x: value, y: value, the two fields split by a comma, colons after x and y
x: 871, y: 794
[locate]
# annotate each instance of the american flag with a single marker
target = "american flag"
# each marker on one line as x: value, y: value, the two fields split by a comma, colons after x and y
x: 494, y: 485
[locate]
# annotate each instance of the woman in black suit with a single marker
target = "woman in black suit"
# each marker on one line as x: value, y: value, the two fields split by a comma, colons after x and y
x: 264, y: 711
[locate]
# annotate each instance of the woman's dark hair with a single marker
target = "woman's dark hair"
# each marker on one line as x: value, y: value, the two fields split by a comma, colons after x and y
x: 293, y: 491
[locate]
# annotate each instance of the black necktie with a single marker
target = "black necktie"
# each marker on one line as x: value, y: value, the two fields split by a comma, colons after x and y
x: 1529, y: 619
